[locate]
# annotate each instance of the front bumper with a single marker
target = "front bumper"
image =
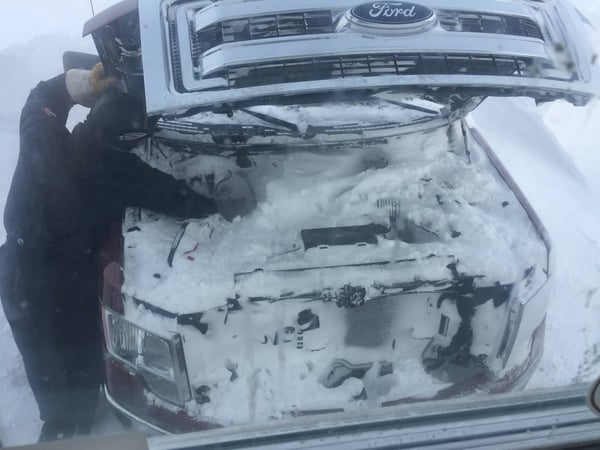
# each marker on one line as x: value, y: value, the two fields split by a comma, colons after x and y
x: 127, y: 393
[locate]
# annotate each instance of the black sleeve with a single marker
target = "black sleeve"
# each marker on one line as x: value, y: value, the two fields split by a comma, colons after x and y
x: 42, y: 136
x: 47, y: 107
x: 152, y: 189
x: 42, y: 126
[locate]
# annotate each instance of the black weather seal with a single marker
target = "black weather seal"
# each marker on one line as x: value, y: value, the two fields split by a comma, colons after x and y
x: 176, y: 242
x: 195, y: 320
x: 154, y: 309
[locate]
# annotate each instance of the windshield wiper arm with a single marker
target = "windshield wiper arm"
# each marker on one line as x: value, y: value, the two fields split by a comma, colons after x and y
x: 272, y: 120
x: 415, y: 107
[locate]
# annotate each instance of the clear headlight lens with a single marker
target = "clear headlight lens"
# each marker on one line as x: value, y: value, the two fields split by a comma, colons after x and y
x: 157, y: 359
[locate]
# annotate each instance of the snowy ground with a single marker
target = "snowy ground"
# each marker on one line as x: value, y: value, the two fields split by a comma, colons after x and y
x: 563, y: 188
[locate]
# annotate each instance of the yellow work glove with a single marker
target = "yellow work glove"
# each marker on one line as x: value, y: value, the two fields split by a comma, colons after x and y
x: 86, y: 86
x: 100, y: 81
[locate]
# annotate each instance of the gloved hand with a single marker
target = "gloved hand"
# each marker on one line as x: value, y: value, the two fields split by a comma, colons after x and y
x: 86, y: 86
x: 234, y: 196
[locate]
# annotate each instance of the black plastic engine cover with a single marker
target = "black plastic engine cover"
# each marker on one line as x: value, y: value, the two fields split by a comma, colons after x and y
x: 353, y: 235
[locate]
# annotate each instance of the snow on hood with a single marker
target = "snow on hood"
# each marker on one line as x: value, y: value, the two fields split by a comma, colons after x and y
x: 458, y: 198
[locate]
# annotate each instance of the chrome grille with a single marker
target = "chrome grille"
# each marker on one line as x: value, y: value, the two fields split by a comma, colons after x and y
x: 522, y: 47
x: 473, y: 22
x: 310, y: 69
x: 323, y: 22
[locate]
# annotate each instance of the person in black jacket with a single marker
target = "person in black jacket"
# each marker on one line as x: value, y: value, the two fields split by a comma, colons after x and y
x: 68, y: 189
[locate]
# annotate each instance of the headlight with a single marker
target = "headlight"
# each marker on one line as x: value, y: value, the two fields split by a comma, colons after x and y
x: 157, y: 359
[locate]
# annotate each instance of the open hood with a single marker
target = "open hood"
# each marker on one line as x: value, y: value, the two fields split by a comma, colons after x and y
x: 207, y: 55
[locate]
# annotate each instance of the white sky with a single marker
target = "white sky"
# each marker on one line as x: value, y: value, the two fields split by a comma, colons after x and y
x: 44, y: 17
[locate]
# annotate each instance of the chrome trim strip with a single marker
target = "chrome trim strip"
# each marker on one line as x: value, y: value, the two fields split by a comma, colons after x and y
x: 185, y: 49
x: 130, y: 415
x: 220, y: 11
x: 251, y: 52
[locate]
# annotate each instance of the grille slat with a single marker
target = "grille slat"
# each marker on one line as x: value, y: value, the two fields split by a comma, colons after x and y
x: 264, y: 27
x: 295, y: 70
x: 473, y: 22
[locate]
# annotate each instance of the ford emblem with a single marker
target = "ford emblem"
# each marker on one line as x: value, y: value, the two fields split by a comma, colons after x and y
x: 391, y: 16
